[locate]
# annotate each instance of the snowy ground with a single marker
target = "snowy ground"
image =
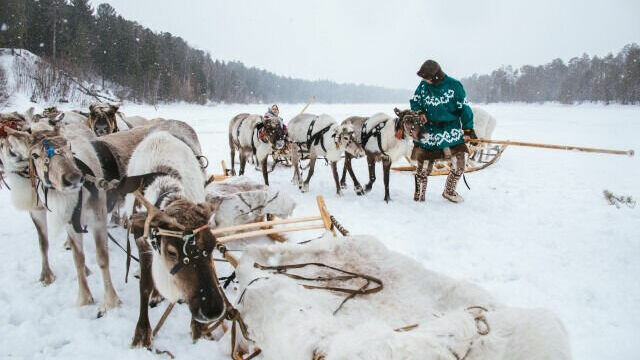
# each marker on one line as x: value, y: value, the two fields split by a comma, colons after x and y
x: 534, y: 230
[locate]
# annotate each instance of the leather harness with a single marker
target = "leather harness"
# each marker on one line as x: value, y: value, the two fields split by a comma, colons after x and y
x: 314, y: 139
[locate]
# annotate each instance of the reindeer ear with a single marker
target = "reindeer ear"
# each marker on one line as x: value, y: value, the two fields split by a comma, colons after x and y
x: 397, y: 111
x: 136, y: 222
x: 92, y: 108
x: 17, y: 134
x: 113, y: 108
x: 28, y: 116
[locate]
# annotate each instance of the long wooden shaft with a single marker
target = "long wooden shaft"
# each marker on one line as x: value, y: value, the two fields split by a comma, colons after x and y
x: 558, y: 147
x: 264, y: 223
x: 307, y: 106
x: 244, y: 235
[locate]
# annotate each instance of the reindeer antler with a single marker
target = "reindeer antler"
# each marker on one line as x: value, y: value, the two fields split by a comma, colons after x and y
x: 153, y: 213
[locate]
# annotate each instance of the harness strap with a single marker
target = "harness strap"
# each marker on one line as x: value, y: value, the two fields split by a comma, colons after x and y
x: 317, y: 138
x: 376, y: 131
x: 238, y: 130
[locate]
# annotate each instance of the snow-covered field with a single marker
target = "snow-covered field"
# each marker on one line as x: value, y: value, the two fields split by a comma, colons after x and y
x: 535, y: 231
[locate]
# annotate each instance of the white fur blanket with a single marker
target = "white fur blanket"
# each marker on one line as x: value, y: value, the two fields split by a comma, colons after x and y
x: 240, y: 200
x: 288, y: 321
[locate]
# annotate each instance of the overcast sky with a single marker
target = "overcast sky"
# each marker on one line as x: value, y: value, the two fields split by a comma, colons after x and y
x: 383, y: 42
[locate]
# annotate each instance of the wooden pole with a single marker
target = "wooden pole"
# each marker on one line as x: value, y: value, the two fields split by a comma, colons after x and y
x: 324, y: 213
x: 264, y: 223
x: 558, y: 147
x: 244, y: 235
x: 307, y: 106
x: 163, y: 318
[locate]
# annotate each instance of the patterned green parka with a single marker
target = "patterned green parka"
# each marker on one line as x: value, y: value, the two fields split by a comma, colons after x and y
x: 447, y: 112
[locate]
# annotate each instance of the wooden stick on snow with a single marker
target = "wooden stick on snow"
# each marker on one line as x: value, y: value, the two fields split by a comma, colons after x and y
x: 557, y: 147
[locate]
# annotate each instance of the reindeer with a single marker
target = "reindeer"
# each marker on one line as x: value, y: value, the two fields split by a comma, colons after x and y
x: 239, y: 200
x: 254, y: 135
x: 313, y: 136
x: 15, y: 167
x: 57, y: 174
x: 383, y: 138
x: 172, y: 235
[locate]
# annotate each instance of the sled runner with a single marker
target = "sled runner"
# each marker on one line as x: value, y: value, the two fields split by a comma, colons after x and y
x: 480, y: 158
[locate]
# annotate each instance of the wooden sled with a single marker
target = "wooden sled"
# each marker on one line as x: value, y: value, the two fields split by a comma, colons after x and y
x: 480, y: 158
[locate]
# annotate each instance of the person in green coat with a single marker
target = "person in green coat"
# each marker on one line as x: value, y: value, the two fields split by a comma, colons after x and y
x: 448, y: 125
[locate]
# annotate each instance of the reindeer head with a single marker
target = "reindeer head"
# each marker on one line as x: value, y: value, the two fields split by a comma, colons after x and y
x: 102, y: 118
x: 10, y: 157
x: 411, y: 122
x: 50, y: 158
x: 346, y: 140
x: 274, y: 133
x: 182, y: 247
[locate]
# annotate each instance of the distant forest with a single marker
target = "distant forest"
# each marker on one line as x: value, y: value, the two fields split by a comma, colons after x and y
x: 613, y: 78
x: 154, y: 67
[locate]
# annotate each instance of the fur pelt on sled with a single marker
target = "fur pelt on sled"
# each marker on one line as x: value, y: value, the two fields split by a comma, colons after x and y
x: 288, y: 321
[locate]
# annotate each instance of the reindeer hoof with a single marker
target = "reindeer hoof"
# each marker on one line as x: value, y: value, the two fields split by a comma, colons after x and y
x: 67, y: 245
x: 343, y: 185
x: 155, y: 300
x: 142, y: 338
x: 304, y: 188
x: 359, y: 190
x: 387, y: 199
x: 87, y: 272
x: 47, y: 277
x: 367, y: 188
x: 339, y: 193
x: 84, y: 300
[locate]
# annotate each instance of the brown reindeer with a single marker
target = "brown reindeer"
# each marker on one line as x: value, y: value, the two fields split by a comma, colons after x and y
x: 102, y: 119
x: 172, y: 236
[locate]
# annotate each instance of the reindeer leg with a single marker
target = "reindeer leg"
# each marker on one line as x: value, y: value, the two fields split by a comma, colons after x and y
x: 84, y: 294
x: 265, y: 172
x: 343, y: 179
x: 243, y: 162
x: 356, y: 183
x: 336, y: 178
x: 233, y: 158
x: 111, y: 299
x: 371, y: 164
x: 143, y: 334
x: 386, y: 167
x: 295, y: 161
x: 312, y: 164
x: 39, y: 218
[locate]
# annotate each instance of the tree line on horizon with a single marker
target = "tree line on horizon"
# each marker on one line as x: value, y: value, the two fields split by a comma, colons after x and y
x: 608, y: 79
x: 154, y: 67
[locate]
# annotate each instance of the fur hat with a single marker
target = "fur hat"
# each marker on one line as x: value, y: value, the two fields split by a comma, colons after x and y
x: 431, y: 70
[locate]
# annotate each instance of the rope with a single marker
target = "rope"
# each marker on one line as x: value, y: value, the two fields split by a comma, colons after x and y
x: 128, y: 253
x: 363, y: 290
x: 339, y: 226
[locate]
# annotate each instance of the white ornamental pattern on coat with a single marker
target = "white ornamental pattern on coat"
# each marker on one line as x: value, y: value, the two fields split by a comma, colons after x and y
x: 435, y: 100
x: 437, y: 139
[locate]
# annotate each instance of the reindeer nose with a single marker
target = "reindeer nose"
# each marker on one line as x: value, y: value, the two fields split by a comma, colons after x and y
x: 71, y: 179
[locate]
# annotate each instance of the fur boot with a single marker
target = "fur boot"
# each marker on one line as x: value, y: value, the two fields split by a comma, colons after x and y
x: 421, y: 185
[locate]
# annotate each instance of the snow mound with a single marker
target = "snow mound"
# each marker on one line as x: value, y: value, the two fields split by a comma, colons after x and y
x: 287, y: 320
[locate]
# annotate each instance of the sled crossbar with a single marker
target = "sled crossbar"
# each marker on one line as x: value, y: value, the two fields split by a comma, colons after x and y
x: 266, y: 228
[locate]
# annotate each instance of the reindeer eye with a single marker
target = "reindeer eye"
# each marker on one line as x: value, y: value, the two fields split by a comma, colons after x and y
x: 172, y: 253
x: 34, y: 155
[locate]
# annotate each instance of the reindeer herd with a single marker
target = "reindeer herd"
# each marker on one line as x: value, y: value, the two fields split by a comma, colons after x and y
x: 75, y: 172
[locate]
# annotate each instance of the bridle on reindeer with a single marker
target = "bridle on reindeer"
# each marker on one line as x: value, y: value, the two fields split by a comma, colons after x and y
x: 190, y: 256
x: 49, y: 151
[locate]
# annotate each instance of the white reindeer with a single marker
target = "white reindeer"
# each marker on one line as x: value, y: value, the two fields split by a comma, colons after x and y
x: 384, y: 138
x: 253, y: 135
x: 58, y: 173
x: 314, y: 136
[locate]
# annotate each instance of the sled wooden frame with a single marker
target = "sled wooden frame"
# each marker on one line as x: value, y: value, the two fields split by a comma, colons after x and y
x: 265, y: 228
x: 446, y: 172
